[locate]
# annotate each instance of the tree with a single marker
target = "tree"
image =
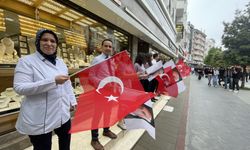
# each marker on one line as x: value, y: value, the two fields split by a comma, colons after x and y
x: 214, y: 57
x: 231, y: 58
x: 236, y: 38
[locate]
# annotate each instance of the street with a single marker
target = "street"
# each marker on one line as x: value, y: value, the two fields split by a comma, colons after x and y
x: 217, y: 119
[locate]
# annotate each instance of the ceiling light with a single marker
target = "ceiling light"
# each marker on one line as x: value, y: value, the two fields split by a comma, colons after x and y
x: 81, y: 23
x: 87, y: 22
x: 2, y: 22
x: 47, y: 10
x: 50, y: 6
x: 91, y: 20
x: 71, y: 15
x: 30, y: 26
x: 56, y: 4
x: 66, y: 17
x: 28, y: 2
x: 9, y: 19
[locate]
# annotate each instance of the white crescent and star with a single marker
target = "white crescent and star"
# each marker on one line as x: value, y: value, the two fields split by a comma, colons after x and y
x: 180, y: 67
x: 166, y: 75
x: 168, y: 78
x: 107, y: 80
x: 111, y: 98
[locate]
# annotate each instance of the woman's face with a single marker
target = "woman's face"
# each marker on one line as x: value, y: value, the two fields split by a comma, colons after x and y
x: 48, y: 44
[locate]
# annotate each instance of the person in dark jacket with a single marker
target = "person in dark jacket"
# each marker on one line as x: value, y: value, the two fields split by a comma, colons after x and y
x: 246, y: 74
x: 227, y: 78
x: 236, y: 77
x: 221, y: 75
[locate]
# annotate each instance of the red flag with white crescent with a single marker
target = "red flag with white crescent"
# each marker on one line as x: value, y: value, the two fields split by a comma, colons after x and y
x: 170, y: 82
x: 183, y: 68
x: 111, y: 91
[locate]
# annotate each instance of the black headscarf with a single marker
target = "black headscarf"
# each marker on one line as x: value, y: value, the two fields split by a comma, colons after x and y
x: 51, y: 58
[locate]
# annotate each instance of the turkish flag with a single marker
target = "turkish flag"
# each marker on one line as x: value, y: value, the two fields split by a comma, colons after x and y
x: 111, y: 91
x: 183, y: 68
x: 170, y: 82
x: 166, y: 83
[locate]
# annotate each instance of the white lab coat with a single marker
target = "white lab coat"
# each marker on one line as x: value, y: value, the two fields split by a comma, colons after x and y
x: 46, y: 106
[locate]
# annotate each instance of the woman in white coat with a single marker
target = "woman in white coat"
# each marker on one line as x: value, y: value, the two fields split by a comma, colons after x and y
x: 43, y: 79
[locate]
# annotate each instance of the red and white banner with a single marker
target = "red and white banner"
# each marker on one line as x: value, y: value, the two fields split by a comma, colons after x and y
x: 170, y: 81
x: 183, y: 68
x: 111, y: 91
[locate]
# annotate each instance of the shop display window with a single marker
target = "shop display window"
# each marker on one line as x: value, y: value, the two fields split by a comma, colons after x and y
x: 79, y: 37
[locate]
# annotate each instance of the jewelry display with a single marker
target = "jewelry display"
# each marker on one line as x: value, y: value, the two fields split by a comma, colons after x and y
x: 9, y: 99
x: 77, y: 87
x: 76, y: 65
x: 66, y: 61
x: 78, y: 90
x: 71, y: 64
x: 18, y: 98
x: 24, y: 45
x: 10, y: 56
x: 32, y: 46
x: 9, y: 45
x: 9, y: 92
x: 4, y: 101
x: 13, y: 105
x: 58, y: 51
x: 2, y: 51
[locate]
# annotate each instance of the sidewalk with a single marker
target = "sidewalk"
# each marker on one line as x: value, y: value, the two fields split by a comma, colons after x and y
x: 170, y: 126
x: 247, y: 84
x: 125, y: 141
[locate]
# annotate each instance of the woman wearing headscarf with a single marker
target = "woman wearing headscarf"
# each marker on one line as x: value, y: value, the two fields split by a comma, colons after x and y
x: 48, y: 94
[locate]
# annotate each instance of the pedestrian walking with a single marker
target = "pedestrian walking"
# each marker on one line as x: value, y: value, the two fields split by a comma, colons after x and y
x: 247, y: 74
x: 236, y: 77
x: 215, y: 77
x: 210, y: 73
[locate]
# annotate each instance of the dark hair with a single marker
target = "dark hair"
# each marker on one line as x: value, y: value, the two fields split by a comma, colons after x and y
x: 107, y: 40
x: 155, y: 55
x: 148, y: 58
x: 139, y: 59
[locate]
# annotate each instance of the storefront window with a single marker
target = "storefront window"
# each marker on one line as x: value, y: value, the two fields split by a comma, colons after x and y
x: 80, y: 36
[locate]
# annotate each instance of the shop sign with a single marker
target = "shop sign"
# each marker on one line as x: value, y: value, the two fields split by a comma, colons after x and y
x: 179, y: 28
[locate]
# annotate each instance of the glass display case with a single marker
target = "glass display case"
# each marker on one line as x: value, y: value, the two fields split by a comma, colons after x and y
x: 79, y: 37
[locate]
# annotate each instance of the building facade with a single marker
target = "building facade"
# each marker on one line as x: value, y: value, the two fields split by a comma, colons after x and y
x: 190, y: 34
x: 198, y: 46
x: 182, y: 28
x: 151, y: 24
x: 210, y: 43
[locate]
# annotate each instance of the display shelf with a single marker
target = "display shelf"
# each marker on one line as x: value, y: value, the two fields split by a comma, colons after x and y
x: 8, y: 122
x: 7, y: 66
x: 6, y: 72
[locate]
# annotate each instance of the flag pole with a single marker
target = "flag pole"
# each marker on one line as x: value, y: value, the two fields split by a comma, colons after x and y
x: 77, y: 72
x: 95, y: 64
